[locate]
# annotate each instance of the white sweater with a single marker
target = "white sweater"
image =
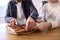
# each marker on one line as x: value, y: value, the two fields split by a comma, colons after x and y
x: 52, y: 13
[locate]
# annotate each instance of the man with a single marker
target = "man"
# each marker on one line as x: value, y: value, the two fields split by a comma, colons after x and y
x: 51, y: 17
x: 21, y: 12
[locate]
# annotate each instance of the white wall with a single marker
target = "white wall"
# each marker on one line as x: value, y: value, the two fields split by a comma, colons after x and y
x: 37, y: 3
x: 3, y: 6
x: 3, y: 2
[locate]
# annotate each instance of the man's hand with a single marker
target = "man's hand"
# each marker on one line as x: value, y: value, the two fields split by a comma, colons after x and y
x: 30, y: 24
x: 44, y: 26
x: 13, y: 21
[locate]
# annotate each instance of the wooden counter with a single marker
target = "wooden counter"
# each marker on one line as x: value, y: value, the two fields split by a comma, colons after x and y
x: 50, y: 35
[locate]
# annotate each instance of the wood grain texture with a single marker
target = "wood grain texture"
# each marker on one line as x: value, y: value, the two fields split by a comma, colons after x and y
x: 53, y: 34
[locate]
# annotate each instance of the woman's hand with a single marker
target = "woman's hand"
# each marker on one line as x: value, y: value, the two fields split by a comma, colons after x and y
x: 30, y: 24
x: 13, y: 21
x: 44, y: 26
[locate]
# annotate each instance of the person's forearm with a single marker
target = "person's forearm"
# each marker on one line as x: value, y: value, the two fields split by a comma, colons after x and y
x: 43, y: 26
x: 34, y: 12
x: 34, y: 15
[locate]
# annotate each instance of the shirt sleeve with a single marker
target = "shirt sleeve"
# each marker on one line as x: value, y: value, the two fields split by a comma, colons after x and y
x: 33, y: 11
x: 56, y: 22
x: 44, y: 13
x: 8, y: 12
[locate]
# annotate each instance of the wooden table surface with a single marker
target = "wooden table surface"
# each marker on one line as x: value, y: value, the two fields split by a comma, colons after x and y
x: 50, y: 35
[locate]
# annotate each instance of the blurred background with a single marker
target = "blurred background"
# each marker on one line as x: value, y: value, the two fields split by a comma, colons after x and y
x: 3, y: 6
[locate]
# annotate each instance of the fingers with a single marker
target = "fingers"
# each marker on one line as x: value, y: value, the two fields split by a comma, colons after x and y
x: 30, y: 26
x: 16, y: 22
x: 13, y: 21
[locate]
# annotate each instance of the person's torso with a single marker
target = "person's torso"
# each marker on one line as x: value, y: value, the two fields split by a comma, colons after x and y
x: 21, y: 19
x: 25, y: 6
x: 52, y: 11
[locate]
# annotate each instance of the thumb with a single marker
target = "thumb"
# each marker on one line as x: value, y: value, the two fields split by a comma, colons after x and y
x: 16, y: 22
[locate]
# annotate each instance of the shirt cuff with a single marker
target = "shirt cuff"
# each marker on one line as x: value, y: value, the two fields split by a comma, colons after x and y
x: 54, y: 24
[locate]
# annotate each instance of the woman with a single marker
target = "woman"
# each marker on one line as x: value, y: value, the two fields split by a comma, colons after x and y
x: 51, y: 19
x: 21, y: 12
